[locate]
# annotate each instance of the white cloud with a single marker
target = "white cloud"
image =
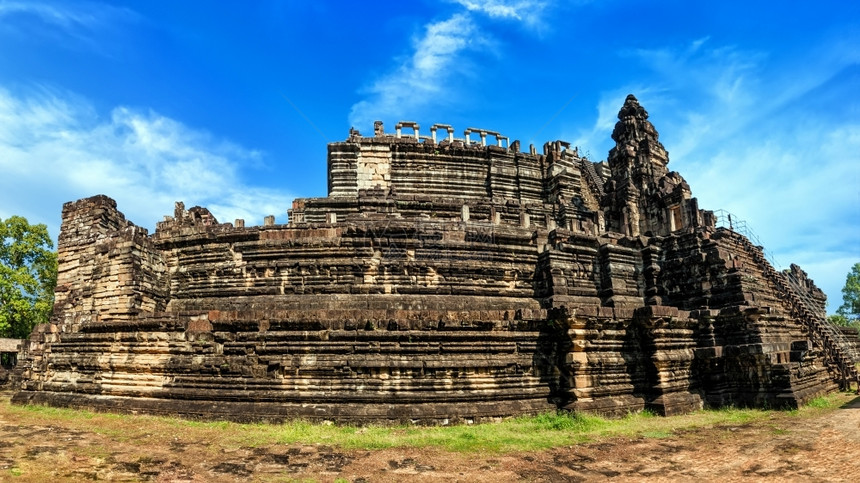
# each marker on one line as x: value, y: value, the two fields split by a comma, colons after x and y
x: 438, y: 56
x: 712, y: 90
x: 55, y: 145
x: 419, y: 80
x: 799, y: 189
x: 527, y: 11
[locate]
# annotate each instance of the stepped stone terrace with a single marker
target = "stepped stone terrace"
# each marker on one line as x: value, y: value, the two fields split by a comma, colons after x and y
x: 442, y: 279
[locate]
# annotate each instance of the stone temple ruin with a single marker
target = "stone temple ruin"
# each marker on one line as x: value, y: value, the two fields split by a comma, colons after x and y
x: 442, y: 279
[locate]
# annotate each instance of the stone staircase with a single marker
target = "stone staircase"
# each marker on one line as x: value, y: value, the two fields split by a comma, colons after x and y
x: 839, y: 354
x: 595, y: 182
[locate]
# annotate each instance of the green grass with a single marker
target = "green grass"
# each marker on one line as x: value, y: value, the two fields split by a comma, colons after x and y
x: 61, y: 413
x: 824, y: 402
x: 656, y: 434
x: 525, y: 433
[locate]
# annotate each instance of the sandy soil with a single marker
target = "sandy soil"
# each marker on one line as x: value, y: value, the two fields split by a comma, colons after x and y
x: 783, y: 448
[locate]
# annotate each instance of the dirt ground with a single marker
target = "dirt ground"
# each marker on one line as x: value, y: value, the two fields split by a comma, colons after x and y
x: 825, y: 447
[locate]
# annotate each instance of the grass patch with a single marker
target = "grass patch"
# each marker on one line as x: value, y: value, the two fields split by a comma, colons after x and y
x: 62, y: 414
x: 830, y: 401
x: 524, y: 433
x: 656, y: 434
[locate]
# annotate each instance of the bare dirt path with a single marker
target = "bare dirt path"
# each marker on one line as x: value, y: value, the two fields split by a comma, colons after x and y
x: 784, y: 447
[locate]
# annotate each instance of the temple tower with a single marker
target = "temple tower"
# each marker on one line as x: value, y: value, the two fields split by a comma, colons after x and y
x: 642, y: 196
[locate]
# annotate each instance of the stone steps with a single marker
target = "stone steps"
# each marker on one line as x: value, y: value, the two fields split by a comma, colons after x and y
x: 834, y: 352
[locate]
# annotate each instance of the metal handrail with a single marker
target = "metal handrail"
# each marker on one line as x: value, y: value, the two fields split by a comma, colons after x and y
x: 731, y: 221
x: 847, y: 356
x: 592, y: 178
x: 833, y: 329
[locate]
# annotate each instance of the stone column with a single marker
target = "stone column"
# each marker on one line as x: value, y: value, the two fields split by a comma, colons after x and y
x: 671, y: 216
x: 625, y: 223
x: 633, y: 213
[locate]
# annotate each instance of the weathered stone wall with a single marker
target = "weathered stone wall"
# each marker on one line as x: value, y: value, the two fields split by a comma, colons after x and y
x: 211, y: 268
x: 109, y: 269
x: 751, y: 349
x: 450, y: 170
x: 407, y: 178
x: 355, y: 365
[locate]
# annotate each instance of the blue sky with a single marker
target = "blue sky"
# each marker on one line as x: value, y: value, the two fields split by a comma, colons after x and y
x: 230, y: 105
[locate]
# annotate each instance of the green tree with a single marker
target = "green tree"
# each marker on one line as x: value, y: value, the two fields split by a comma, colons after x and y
x: 838, y: 319
x: 849, y: 311
x: 28, y: 275
x: 850, y: 307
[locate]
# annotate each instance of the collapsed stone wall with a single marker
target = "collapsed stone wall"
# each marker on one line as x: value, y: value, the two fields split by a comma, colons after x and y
x: 10, y: 351
x: 109, y: 269
x: 438, y: 281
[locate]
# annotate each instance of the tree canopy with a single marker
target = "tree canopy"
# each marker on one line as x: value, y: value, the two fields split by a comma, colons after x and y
x: 849, y: 312
x: 28, y: 275
x: 850, y: 308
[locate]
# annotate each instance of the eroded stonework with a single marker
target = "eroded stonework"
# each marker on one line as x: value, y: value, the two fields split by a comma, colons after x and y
x: 441, y: 280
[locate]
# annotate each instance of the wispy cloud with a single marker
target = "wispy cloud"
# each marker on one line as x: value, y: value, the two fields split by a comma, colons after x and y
x: 595, y: 141
x: 799, y: 187
x: 56, y: 145
x: 438, y: 55
x: 731, y: 122
x: 82, y: 22
x: 706, y: 93
x: 528, y: 11
x: 53, y: 14
x: 422, y: 75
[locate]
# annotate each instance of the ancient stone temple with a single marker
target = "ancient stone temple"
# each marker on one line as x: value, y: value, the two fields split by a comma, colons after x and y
x: 442, y: 279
